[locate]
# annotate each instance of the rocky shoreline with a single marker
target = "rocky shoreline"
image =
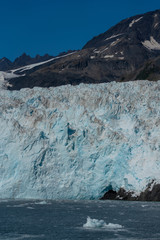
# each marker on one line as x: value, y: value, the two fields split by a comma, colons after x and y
x: 150, y: 194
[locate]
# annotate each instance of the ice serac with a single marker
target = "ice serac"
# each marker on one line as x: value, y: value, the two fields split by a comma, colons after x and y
x: 77, y: 142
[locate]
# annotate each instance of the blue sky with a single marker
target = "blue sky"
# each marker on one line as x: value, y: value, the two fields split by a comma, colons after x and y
x: 54, y: 26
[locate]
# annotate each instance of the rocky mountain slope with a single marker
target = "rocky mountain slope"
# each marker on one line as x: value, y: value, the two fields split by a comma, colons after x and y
x: 128, y: 51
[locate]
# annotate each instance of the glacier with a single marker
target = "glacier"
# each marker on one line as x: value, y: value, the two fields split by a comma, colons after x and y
x: 76, y: 142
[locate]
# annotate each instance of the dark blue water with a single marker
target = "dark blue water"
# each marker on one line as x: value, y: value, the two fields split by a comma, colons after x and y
x: 64, y: 220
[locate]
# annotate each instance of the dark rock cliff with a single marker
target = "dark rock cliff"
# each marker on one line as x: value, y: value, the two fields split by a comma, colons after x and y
x: 150, y: 194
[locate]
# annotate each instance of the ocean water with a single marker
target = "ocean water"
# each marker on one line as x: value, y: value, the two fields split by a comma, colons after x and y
x: 72, y: 220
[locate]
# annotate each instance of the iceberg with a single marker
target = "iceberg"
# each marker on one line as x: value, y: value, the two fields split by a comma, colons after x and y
x: 100, y: 224
x: 78, y: 142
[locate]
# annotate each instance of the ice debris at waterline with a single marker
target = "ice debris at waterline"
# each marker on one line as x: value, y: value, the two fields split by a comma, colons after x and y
x: 76, y: 142
x: 95, y: 223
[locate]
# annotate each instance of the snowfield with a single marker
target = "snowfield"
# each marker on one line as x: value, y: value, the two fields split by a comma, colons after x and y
x: 152, y: 44
x: 75, y: 142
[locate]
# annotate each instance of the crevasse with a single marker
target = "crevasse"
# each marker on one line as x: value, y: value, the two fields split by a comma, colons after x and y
x: 75, y: 142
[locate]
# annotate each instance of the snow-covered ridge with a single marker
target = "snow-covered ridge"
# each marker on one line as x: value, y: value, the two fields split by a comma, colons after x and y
x: 75, y: 142
x: 30, y: 66
x: 152, y: 44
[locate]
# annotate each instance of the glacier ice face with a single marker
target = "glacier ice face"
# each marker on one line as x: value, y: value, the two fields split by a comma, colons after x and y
x: 75, y: 142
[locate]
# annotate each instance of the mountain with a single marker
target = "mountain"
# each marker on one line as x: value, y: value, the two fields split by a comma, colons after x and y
x: 79, y: 142
x: 128, y: 51
x: 24, y: 59
x: 5, y: 64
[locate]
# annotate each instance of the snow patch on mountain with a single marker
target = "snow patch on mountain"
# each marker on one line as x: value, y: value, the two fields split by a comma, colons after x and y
x: 156, y: 24
x: 152, y: 44
x: 121, y: 58
x: 134, y: 21
x: 108, y: 56
x: 115, y: 42
x: 75, y: 142
x: 105, y: 49
x: 114, y: 36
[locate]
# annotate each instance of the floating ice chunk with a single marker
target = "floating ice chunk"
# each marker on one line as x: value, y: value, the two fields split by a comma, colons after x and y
x: 18, y: 205
x: 144, y: 205
x: 95, y: 223
x: 114, y: 226
x: 41, y: 203
x: 15, y: 236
